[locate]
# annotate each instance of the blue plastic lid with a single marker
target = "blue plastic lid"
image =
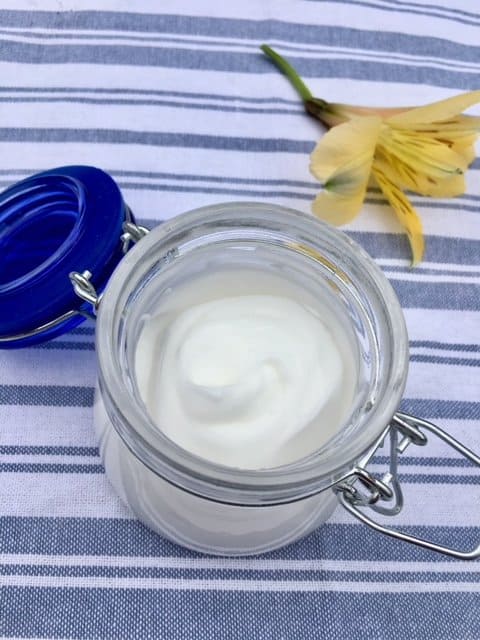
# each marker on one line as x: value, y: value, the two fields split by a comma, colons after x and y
x: 59, y: 221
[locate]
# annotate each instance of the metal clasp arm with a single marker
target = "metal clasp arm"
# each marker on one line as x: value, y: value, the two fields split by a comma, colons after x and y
x: 411, y: 429
x: 132, y: 233
x: 84, y: 289
x: 81, y: 282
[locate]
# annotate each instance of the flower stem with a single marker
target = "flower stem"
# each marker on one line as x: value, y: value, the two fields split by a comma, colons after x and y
x: 289, y: 71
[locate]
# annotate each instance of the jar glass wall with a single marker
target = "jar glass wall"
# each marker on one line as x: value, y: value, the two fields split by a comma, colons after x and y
x: 211, y: 507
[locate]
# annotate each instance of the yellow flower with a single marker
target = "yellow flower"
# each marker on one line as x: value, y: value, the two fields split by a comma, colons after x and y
x: 425, y: 150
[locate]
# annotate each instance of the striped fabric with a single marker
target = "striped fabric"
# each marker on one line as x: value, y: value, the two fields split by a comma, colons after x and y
x: 176, y: 101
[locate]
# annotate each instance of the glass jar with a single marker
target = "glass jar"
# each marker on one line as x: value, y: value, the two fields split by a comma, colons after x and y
x: 222, y: 510
x: 72, y: 227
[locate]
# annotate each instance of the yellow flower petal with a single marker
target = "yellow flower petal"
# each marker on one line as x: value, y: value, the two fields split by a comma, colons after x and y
x: 461, y: 142
x: 466, y: 149
x: 337, y: 208
x: 346, y: 146
x: 426, y: 185
x: 436, y: 111
x: 422, y: 153
x: 349, y: 111
x: 405, y: 212
x: 446, y: 188
x: 334, y: 113
x: 343, y: 161
x: 457, y: 125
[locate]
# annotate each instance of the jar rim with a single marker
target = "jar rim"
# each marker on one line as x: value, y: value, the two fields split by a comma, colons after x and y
x: 204, y: 477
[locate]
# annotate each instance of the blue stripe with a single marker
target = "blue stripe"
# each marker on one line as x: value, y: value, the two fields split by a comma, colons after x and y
x: 442, y: 409
x: 433, y: 272
x: 46, y: 395
x: 462, y: 362
x: 234, y: 179
x: 216, y: 190
x: 259, y: 30
x: 56, y: 467
x: 116, y: 536
x: 424, y: 478
x: 310, y: 183
x: 147, y: 92
x: 432, y: 295
x: 59, y: 468
x: 183, y: 43
x: 175, y: 188
x: 83, y: 331
x: 66, y: 346
x: 235, y: 40
x: 425, y: 461
x: 439, y: 249
x: 111, y: 614
x: 227, y: 180
x: 454, y: 10
x: 428, y: 204
x: 156, y: 175
x: 72, y: 396
x: 449, y: 346
x: 385, y: 72
x: 48, y: 450
x: 415, y: 9
x: 158, y: 103
x: 156, y: 138
x: 430, y: 9
x: 424, y: 203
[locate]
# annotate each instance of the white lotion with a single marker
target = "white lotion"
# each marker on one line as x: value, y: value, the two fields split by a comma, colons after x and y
x: 250, y: 380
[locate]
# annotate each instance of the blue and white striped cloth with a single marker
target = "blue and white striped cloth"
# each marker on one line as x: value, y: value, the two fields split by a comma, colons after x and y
x: 176, y: 101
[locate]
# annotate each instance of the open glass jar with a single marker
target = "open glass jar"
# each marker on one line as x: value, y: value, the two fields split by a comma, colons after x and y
x: 197, y: 503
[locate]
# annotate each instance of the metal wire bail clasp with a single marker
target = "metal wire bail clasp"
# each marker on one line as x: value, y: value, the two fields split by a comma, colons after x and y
x: 132, y: 234
x: 404, y: 430
x: 81, y: 282
x: 85, y: 289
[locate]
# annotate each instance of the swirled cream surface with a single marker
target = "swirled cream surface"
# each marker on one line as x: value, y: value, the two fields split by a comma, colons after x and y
x: 248, y: 377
